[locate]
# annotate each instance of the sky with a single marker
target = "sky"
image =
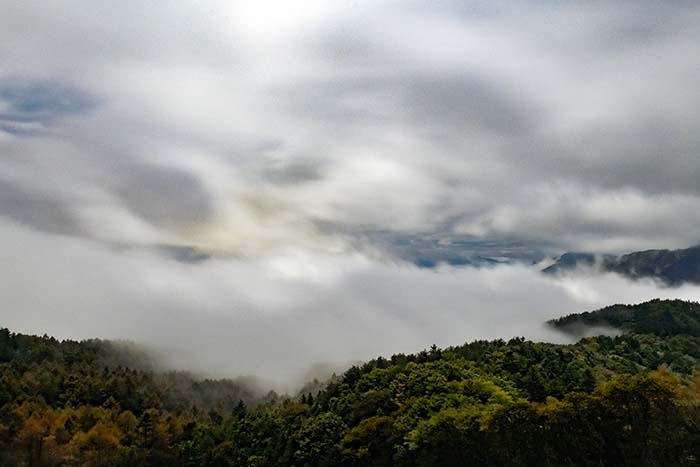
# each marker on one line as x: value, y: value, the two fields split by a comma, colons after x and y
x: 251, y: 184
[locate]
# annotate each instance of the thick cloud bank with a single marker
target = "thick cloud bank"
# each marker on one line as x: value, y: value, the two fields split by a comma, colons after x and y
x: 236, y: 127
x: 279, y: 314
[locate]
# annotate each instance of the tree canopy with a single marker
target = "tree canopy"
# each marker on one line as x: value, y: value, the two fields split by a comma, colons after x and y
x: 628, y: 400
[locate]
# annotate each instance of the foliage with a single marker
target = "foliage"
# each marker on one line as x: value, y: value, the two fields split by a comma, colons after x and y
x: 630, y: 400
x: 660, y: 317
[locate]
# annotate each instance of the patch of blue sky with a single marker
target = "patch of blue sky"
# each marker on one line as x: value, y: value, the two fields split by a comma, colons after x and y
x: 28, y: 105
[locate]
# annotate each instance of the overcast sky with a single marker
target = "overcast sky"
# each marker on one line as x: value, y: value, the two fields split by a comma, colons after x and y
x: 277, y: 137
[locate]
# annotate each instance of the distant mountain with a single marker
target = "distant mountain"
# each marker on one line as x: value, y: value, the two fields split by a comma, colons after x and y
x: 571, y: 261
x: 672, y: 267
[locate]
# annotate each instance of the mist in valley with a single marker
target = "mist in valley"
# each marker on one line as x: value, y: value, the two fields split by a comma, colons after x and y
x: 288, y: 317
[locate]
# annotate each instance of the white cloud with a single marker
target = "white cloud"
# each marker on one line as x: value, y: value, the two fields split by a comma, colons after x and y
x: 276, y: 316
x: 411, y: 116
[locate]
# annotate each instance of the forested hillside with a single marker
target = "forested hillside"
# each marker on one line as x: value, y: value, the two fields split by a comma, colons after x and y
x: 660, y: 317
x: 630, y: 400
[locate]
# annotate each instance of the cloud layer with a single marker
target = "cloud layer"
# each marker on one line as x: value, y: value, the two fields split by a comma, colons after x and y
x: 290, y: 156
x: 237, y: 128
x: 277, y: 315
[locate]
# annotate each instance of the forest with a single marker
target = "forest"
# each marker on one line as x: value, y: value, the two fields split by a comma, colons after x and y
x: 627, y: 400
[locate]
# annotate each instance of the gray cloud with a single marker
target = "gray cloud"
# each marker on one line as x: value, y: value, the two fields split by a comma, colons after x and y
x: 40, y: 211
x: 448, y: 114
x: 164, y: 196
x: 468, y: 101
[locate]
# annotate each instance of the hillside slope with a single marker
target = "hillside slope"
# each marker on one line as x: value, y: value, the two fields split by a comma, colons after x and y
x: 630, y: 400
x: 660, y: 317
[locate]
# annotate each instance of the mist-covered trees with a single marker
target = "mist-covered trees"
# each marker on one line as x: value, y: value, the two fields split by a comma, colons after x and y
x: 630, y: 400
x: 660, y: 317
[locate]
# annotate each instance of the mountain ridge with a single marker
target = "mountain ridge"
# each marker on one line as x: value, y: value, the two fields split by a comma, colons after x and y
x: 670, y: 267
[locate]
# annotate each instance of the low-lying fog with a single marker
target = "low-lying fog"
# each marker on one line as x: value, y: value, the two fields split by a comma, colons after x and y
x: 279, y: 314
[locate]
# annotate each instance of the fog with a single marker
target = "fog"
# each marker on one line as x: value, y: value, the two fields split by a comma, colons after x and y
x: 278, y: 315
x: 244, y: 185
